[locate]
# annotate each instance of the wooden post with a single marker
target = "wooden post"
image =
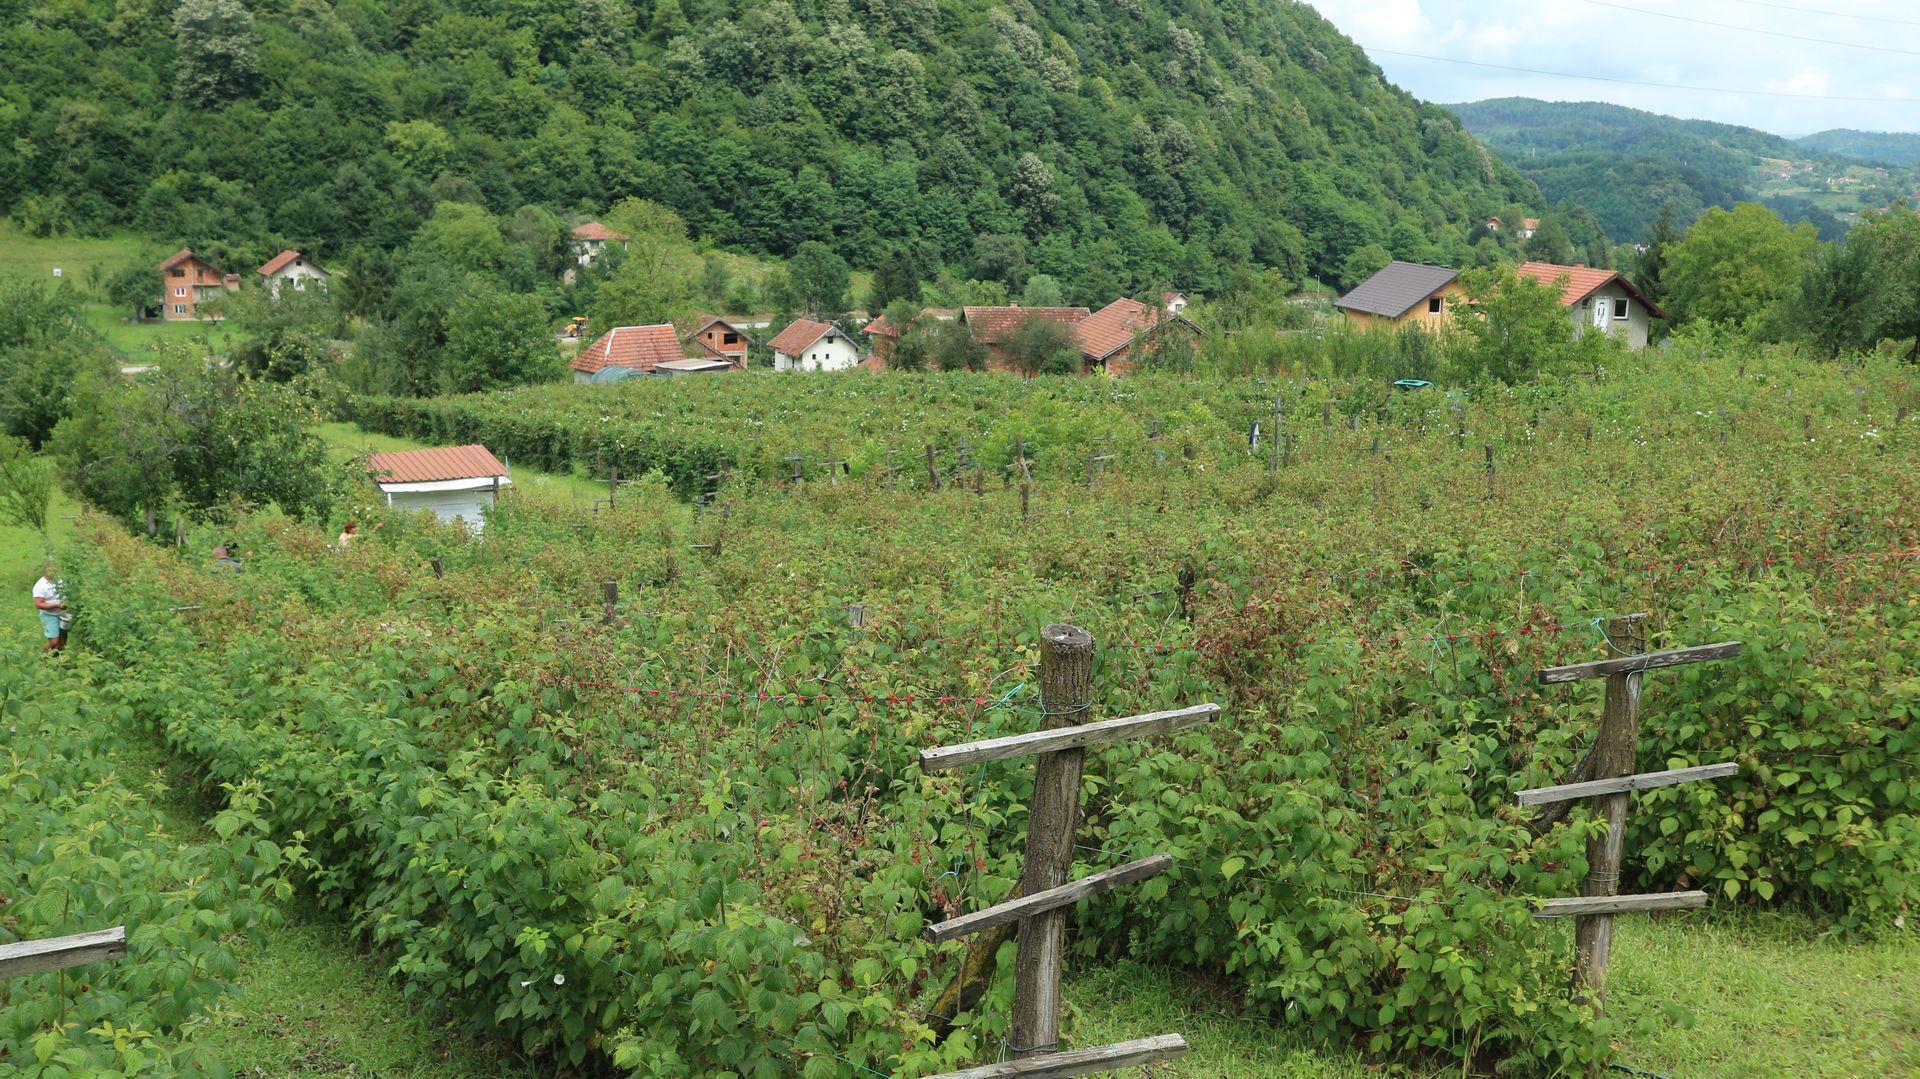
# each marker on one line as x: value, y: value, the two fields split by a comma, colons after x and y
x: 153, y: 524
x: 933, y: 473
x: 613, y: 487
x: 610, y: 596
x: 1901, y: 415
x: 1326, y: 413
x: 1066, y: 694
x: 1614, y: 750
x: 1273, y: 447
x: 1489, y: 472
x: 439, y: 566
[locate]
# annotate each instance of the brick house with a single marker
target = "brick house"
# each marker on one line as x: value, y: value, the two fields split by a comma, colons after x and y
x: 718, y: 337
x: 1107, y: 337
x: 187, y: 281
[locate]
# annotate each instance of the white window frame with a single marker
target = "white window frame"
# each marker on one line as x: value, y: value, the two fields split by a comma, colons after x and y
x: 1619, y: 308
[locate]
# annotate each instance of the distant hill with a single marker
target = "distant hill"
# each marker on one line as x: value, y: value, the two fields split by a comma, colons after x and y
x: 1889, y: 147
x: 1623, y: 164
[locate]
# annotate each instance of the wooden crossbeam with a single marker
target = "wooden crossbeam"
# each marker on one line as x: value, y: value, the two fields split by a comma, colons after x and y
x: 1085, y: 888
x: 1086, y: 734
x: 59, y: 953
x: 1646, y: 662
x: 1081, y: 1061
x: 1620, y: 904
x: 1567, y: 792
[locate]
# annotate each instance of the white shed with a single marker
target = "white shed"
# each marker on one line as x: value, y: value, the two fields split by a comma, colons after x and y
x: 814, y: 346
x: 292, y: 268
x: 456, y: 484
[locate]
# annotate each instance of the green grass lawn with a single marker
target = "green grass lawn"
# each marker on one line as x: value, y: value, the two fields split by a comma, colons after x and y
x: 1768, y: 996
x: 135, y: 340
x: 74, y: 256
x: 21, y: 552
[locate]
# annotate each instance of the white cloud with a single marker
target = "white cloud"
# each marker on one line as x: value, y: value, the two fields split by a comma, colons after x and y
x: 1812, y: 81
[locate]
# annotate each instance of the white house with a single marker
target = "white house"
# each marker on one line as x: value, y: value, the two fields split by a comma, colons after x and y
x: 293, y: 268
x: 814, y: 346
x: 591, y: 238
x: 456, y: 484
x: 1602, y: 300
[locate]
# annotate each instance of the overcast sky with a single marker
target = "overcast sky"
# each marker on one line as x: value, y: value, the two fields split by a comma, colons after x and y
x: 1612, y: 38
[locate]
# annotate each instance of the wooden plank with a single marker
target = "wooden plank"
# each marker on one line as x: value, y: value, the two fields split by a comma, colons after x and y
x: 59, y: 953
x: 1085, y: 734
x: 1067, y: 894
x: 1131, y: 1054
x: 1619, y: 904
x: 1648, y: 662
x: 1643, y: 781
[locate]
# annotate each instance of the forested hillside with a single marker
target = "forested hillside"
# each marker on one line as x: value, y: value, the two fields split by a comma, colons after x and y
x: 1109, y: 145
x: 1891, y: 147
x: 1625, y: 164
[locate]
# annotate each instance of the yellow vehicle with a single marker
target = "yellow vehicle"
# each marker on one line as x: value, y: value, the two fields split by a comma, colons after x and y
x: 577, y: 326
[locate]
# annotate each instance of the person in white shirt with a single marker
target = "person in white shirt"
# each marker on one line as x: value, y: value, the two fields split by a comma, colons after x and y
x: 52, y: 608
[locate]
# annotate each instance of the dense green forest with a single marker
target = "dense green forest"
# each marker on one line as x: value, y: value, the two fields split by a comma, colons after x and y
x: 1110, y: 147
x: 1891, y: 147
x: 1624, y: 164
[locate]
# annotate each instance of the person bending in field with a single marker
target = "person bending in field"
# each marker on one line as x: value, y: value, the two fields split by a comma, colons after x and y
x: 52, y: 608
x: 223, y: 559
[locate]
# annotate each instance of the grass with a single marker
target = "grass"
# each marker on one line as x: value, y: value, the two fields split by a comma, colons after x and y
x: 135, y: 340
x: 21, y: 552
x: 1768, y: 996
x: 75, y: 256
x: 346, y: 440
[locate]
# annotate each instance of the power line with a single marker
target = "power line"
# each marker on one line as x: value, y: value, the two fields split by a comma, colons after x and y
x: 1833, y: 14
x: 1645, y: 82
x: 1754, y: 30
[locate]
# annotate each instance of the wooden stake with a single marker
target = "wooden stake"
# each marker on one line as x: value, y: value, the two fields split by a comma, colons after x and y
x: 613, y: 487
x: 439, y: 566
x: 1614, y: 750
x: 610, y: 596
x: 933, y: 474
x: 1273, y: 445
x: 1489, y: 472
x: 1053, y: 817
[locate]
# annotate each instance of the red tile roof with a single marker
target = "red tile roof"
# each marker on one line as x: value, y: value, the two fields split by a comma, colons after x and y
x: 594, y: 230
x: 1114, y: 327
x: 434, y: 465
x: 701, y: 324
x: 179, y: 257
x: 638, y: 347
x: 993, y: 325
x: 796, y: 337
x: 1581, y: 281
x: 1529, y: 222
x: 880, y: 327
x: 277, y: 263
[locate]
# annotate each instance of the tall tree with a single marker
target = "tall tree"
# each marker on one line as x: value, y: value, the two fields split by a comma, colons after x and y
x: 1735, y: 265
x: 215, y: 51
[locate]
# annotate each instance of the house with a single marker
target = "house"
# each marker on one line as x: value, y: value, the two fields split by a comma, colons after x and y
x: 1173, y: 302
x: 1529, y: 226
x: 650, y: 350
x: 1106, y: 337
x: 718, y: 337
x: 807, y: 345
x: 1404, y: 294
x: 292, y: 268
x: 1598, y: 299
x: 591, y: 238
x: 187, y: 281
x: 885, y: 333
x: 993, y: 327
x: 457, y: 484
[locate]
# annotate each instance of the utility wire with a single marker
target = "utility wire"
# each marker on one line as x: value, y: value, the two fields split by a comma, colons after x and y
x: 1754, y: 29
x: 1644, y: 82
x: 1833, y: 14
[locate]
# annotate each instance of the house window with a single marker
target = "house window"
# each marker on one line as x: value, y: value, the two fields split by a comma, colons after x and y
x: 731, y: 339
x: 180, y: 291
x: 1619, y: 309
x: 1433, y: 305
x: 179, y: 309
x: 177, y: 272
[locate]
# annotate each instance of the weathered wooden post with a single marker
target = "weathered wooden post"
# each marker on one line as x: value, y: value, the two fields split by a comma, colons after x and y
x: 613, y: 487
x: 1607, y: 777
x: 1326, y: 413
x: 799, y: 464
x: 1044, y: 891
x: 1273, y: 447
x: 1489, y: 448
x: 610, y: 597
x: 1901, y: 415
x: 439, y: 566
x: 933, y: 473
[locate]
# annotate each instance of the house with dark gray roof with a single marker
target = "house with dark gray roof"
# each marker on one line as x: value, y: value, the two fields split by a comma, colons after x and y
x: 1404, y: 293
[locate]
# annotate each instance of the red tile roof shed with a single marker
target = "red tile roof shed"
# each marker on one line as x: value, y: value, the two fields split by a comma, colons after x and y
x: 1111, y: 328
x: 435, y: 465
x: 638, y: 347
